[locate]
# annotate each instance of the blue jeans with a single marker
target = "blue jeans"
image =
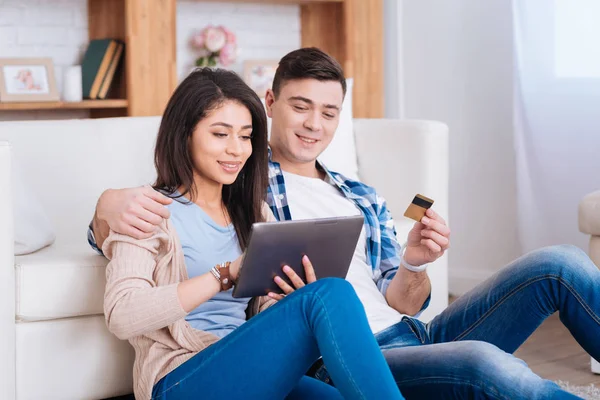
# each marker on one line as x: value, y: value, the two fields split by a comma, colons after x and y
x: 466, y: 351
x: 267, y: 357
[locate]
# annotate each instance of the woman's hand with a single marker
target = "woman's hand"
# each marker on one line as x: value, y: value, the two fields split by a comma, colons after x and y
x: 235, y: 266
x: 294, y: 278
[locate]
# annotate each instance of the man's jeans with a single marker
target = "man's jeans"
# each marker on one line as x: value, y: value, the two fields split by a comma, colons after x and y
x: 465, y: 352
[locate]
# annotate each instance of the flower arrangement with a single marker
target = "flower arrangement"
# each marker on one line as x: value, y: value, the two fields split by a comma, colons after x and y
x: 216, y: 45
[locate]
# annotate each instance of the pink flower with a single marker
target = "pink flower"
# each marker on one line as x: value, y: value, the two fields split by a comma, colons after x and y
x: 203, y: 53
x: 198, y: 40
x: 229, y: 35
x: 228, y: 54
x: 215, y: 39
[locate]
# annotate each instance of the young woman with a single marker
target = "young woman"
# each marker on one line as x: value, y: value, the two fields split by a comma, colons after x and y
x: 170, y: 295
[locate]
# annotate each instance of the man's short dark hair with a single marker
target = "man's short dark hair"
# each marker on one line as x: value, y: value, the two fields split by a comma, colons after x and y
x: 308, y: 63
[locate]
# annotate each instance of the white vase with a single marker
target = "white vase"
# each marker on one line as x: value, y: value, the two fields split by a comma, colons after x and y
x: 72, y: 87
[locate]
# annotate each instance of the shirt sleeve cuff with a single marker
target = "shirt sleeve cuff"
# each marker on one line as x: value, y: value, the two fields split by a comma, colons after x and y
x: 384, y: 283
x: 92, y: 240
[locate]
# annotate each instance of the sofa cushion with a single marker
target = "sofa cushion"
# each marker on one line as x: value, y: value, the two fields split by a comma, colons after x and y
x: 33, y: 230
x: 69, y: 163
x: 589, y: 214
x: 340, y: 155
x: 59, y: 282
x: 75, y: 358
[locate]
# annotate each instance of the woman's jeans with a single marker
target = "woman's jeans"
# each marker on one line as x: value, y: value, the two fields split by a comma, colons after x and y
x: 466, y: 351
x: 267, y: 357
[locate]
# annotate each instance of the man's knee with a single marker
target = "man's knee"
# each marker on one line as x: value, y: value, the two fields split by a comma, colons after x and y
x: 557, y: 261
x: 484, y: 359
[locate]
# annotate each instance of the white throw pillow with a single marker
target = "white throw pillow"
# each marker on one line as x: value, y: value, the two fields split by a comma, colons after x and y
x: 340, y: 155
x: 33, y: 229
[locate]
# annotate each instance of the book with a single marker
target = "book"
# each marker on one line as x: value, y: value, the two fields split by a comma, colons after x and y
x: 110, y: 73
x: 95, y: 65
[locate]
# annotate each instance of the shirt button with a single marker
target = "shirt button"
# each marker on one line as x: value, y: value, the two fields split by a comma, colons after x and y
x: 281, y: 197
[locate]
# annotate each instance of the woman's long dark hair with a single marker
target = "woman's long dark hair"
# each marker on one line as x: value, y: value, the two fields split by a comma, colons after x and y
x: 202, y: 91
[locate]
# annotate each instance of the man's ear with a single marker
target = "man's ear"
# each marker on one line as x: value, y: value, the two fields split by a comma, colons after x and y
x: 269, y: 100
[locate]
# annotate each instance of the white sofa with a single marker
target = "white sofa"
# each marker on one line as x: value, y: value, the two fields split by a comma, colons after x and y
x: 589, y: 223
x: 54, y: 343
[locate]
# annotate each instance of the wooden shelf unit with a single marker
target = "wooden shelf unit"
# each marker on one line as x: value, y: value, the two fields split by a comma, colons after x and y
x: 62, y: 105
x: 279, y: 1
x: 349, y: 30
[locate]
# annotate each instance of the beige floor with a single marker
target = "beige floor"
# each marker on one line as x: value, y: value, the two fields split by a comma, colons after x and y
x: 552, y: 353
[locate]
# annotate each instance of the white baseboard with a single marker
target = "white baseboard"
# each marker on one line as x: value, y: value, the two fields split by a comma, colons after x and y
x: 595, y: 366
x: 460, y: 281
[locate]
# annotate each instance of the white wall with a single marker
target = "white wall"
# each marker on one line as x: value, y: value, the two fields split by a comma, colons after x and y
x: 458, y: 68
x: 393, y: 62
x: 264, y: 31
x: 58, y: 29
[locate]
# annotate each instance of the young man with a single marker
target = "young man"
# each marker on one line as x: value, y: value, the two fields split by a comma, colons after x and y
x: 463, y: 352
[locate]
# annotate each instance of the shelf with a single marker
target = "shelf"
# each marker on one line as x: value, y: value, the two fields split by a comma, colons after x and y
x: 61, y: 105
x: 349, y: 30
x: 301, y: 2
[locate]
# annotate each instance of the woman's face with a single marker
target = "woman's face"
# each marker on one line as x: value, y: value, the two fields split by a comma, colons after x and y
x: 221, y: 143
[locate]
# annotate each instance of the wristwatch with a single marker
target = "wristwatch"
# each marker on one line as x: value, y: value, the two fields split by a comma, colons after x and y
x: 222, y: 274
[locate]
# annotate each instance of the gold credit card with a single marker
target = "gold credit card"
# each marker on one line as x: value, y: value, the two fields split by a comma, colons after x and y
x: 416, y: 209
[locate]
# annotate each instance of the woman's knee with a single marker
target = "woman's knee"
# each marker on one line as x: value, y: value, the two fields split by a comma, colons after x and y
x: 334, y: 285
x: 336, y: 291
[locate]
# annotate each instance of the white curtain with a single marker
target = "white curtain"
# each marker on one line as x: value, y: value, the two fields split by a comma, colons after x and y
x: 557, y: 116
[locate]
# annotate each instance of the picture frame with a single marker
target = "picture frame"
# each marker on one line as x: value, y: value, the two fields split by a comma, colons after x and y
x: 27, y: 80
x: 259, y: 74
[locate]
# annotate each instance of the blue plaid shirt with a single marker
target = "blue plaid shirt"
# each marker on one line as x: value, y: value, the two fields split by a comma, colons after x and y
x: 383, y: 248
x: 92, y: 240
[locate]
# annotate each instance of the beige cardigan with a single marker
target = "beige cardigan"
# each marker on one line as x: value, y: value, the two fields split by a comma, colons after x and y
x: 141, y: 304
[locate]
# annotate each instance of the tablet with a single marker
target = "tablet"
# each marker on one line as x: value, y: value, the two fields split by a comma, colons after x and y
x: 328, y: 242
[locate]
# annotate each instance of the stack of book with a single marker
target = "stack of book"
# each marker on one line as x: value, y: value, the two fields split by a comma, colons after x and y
x: 98, y: 67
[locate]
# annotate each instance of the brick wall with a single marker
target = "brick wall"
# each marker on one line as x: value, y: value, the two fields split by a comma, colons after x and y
x: 58, y: 29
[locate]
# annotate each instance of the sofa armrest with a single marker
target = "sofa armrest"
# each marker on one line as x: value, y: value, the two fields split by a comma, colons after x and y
x: 401, y: 158
x: 589, y: 214
x: 7, y: 278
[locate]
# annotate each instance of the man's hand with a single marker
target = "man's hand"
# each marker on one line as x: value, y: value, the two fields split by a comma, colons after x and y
x: 295, y: 279
x: 427, y: 240
x: 135, y: 212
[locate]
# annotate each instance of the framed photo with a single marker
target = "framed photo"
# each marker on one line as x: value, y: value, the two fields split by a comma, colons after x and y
x: 259, y: 75
x: 27, y: 79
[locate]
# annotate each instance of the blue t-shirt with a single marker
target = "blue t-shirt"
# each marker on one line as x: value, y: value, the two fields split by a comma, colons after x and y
x: 205, y: 244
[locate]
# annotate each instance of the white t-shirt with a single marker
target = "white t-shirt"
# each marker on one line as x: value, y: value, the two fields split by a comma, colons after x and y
x: 314, y: 198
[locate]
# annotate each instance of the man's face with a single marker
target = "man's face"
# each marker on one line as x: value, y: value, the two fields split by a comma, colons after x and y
x: 304, y: 116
